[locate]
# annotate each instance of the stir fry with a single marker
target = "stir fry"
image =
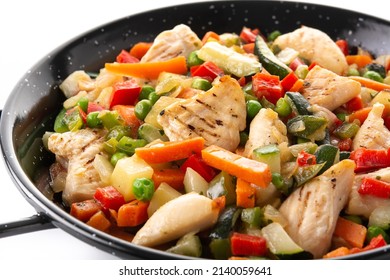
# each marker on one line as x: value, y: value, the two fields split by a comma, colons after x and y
x: 231, y: 146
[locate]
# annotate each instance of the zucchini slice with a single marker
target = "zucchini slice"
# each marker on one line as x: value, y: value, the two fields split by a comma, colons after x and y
x: 269, y: 61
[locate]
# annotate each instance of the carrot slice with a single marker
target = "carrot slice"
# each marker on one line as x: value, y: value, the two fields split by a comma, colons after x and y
x: 99, y: 221
x: 170, y: 151
x: 339, y: 252
x: 133, y: 213
x: 172, y: 176
x: 247, y: 169
x: 360, y: 115
x: 210, y: 35
x: 140, y: 49
x: 149, y: 70
x: 245, y: 194
x: 370, y: 83
x: 360, y: 60
x: 84, y: 210
x: 354, y: 234
x: 297, y: 86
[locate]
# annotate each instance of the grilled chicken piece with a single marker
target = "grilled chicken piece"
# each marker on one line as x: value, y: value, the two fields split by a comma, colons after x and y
x: 76, y: 151
x: 187, y: 213
x: 313, y: 209
x: 180, y: 41
x: 266, y: 128
x: 314, y: 45
x: 364, y: 204
x: 373, y: 134
x: 326, y: 89
x: 217, y: 115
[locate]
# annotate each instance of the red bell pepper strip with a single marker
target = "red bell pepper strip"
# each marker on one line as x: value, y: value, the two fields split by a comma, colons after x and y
x: 304, y: 159
x: 109, y: 197
x: 296, y: 63
x: 343, y: 45
x: 247, y: 245
x: 376, y: 242
x: 248, y: 35
x: 126, y: 57
x: 367, y: 160
x: 207, y: 70
x: 268, y: 86
x: 289, y: 81
x: 125, y: 93
x: 94, y: 107
x: 354, y: 104
x: 196, y: 162
x: 378, y: 188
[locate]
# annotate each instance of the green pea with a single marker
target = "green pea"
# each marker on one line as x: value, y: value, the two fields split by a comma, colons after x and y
x: 283, y: 108
x: 145, y: 91
x: 373, y: 76
x: 93, y: 121
x: 143, y: 189
x: 202, y: 84
x: 252, y: 108
x: 153, y: 97
x: 142, y: 108
x: 117, y: 156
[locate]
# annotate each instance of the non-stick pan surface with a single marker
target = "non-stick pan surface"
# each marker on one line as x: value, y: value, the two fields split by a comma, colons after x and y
x: 35, y: 101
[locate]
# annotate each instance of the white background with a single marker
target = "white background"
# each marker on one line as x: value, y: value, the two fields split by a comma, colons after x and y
x: 29, y: 31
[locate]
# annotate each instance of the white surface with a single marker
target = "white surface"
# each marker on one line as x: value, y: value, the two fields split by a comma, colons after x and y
x: 30, y: 30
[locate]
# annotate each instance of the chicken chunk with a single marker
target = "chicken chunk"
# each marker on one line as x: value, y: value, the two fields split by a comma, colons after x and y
x: 180, y: 41
x: 364, y: 204
x: 316, y: 46
x: 266, y: 128
x: 373, y: 134
x: 188, y: 213
x: 326, y: 89
x: 313, y: 209
x: 76, y: 151
x: 217, y: 115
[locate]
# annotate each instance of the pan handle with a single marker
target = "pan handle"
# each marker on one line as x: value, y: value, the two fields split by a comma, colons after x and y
x: 36, y: 222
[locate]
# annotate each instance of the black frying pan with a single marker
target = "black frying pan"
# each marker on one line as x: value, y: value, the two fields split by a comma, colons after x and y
x: 30, y: 110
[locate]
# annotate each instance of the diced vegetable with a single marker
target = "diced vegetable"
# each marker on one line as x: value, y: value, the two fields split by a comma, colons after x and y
x: 252, y: 216
x: 172, y: 176
x: 194, y: 182
x: 109, y: 197
x: 245, y: 194
x: 378, y: 188
x: 125, y: 57
x: 207, y: 70
x: 267, y: 86
x: 270, y: 155
x: 140, y: 49
x: 269, y: 61
x: 188, y: 245
x: 380, y: 217
x: 307, y: 126
x: 298, y: 103
x: 230, y: 61
x: 125, y: 93
x: 162, y: 195
x: 280, y: 243
x: 327, y: 154
x: 236, y: 165
x: 133, y: 213
x: 99, y: 221
x: 170, y: 151
x: 374, y: 231
x: 352, y: 233
x: 84, y: 210
x: 367, y: 160
x: 126, y: 171
x: 247, y: 245
x: 149, y: 70
x: 222, y: 185
x: 196, y: 162
x: 370, y: 83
